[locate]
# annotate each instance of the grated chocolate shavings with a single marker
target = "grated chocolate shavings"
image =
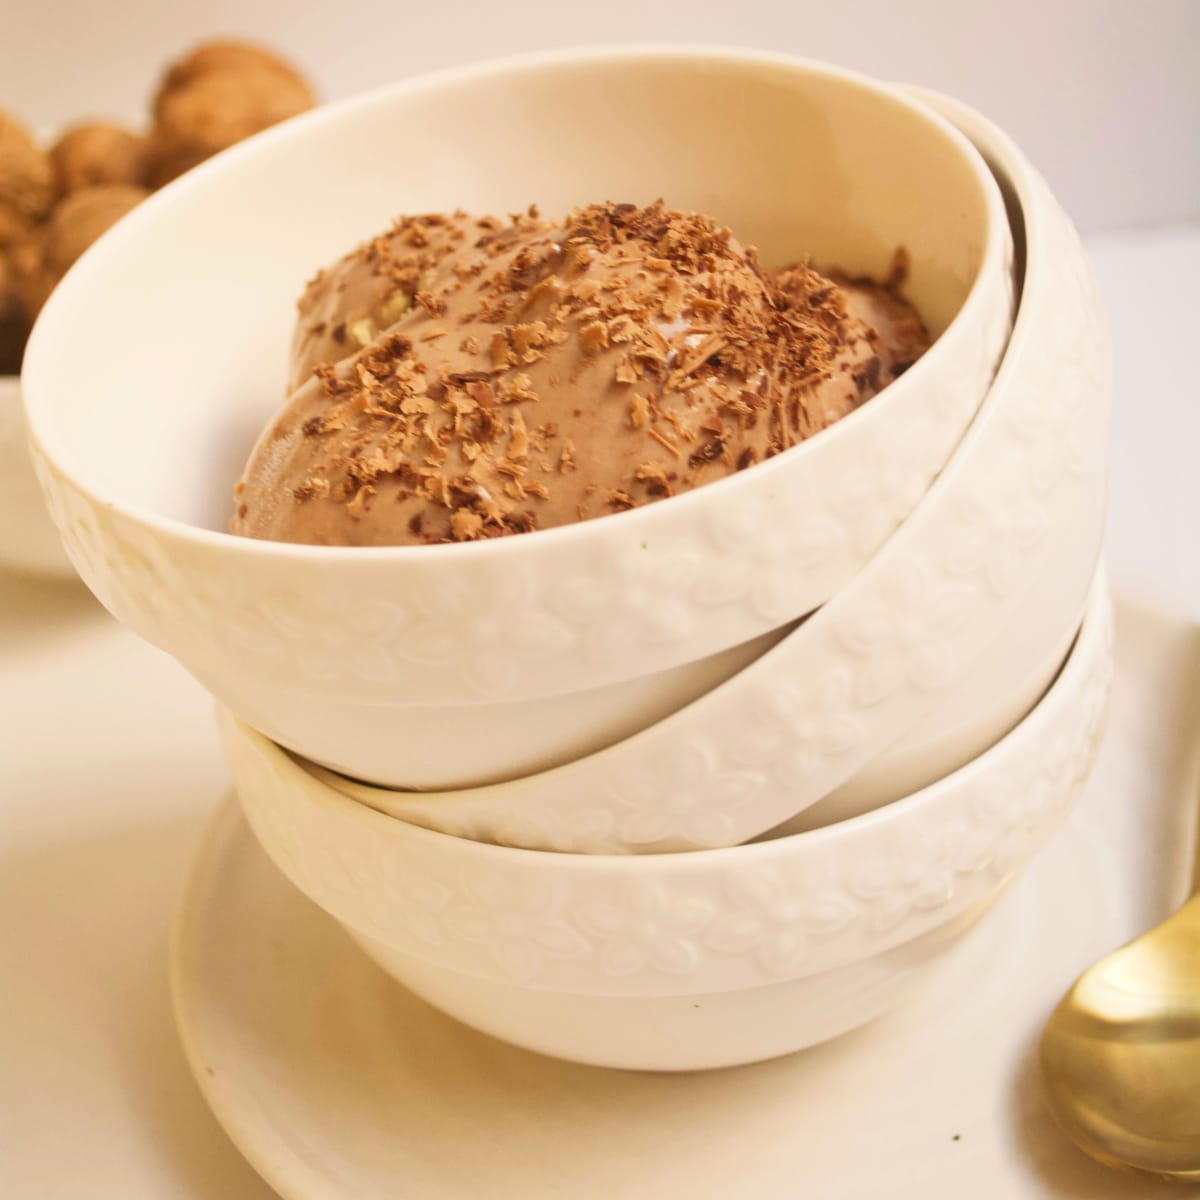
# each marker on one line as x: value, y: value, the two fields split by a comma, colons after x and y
x: 557, y: 324
x: 663, y: 440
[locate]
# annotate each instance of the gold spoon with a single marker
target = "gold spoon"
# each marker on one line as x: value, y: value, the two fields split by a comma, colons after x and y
x: 1121, y: 1053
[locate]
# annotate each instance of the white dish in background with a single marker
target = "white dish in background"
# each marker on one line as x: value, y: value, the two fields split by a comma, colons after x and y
x: 208, y: 272
x: 28, y: 539
x: 335, y: 1082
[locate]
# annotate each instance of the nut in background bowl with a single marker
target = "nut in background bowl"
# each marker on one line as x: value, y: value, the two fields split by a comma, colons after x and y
x: 139, y: 452
x: 686, y: 961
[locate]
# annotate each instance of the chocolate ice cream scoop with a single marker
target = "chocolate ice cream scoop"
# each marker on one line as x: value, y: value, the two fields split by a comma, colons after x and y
x: 462, y: 378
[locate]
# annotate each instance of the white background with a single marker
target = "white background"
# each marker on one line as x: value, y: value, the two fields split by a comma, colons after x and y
x: 1100, y: 93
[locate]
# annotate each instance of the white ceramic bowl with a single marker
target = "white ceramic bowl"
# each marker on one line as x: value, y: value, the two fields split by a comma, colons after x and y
x: 28, y: 540
x: 139, y: 451
x: 1061, y: 314
x: 685, y: 961
x: 939, y: 645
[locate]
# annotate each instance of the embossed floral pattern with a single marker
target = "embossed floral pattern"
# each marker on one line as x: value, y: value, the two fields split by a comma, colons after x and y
x: 999, y: 524
x: 633, y: 597
x: 647, y: 929
x: 906, y: 636
x: 807, y: 905
x: 914, y: 875
x: 515, y: 923
x: 892, y: 477
x: 774, y: 916
x: 770, y: 542
x: 685, y: 795
x: 336, y: 649
x: 797, y: 725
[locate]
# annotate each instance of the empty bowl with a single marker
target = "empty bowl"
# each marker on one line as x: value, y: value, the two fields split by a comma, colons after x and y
x: 683, y: 961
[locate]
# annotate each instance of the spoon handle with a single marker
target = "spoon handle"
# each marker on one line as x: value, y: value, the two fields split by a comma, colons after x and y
x: 1194, y: 787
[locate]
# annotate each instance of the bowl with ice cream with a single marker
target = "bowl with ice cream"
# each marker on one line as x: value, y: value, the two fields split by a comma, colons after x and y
x: 60, y: 193
x: 851, y: 711
x: 477, y: 377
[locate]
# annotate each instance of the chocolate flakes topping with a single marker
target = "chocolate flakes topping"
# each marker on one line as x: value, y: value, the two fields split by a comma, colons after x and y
x: 582, y: 352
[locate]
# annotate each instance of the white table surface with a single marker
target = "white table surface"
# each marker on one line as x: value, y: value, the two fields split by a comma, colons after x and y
x: 109, y: 767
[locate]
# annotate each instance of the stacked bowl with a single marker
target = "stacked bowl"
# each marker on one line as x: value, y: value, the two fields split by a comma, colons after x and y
x: 694, y: 784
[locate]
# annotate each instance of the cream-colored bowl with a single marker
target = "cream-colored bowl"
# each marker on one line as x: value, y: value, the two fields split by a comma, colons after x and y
x: 682, y: 961
x: 28, y: 540
x: 939, y: 645
x: 1061, y: 327
x: 179, y: 320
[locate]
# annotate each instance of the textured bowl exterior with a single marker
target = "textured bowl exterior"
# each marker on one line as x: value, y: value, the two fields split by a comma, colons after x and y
x: 596, y: 603
x: 991, y: 570
x: 477, y: 745
x: 681, y: 924
x: 683, y: 1032
x: 1007, y: 679
x: 547, y: 614
x: 28, y: 538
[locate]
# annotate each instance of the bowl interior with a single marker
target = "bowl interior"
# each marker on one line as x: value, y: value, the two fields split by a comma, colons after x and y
x: 157, y: 362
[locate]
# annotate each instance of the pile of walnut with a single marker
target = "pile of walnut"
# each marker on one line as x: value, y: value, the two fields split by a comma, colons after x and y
x: 54, y: 203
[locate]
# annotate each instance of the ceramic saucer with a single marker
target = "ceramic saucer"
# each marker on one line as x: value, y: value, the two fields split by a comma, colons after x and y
x: 336, y: 1084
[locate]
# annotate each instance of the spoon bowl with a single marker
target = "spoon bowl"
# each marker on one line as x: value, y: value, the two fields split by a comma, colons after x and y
x: 1120, y: 1054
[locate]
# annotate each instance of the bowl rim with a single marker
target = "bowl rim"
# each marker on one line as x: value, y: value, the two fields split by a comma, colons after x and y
x: 39, y: 354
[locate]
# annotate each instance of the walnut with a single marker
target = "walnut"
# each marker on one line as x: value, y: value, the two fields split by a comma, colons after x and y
x: 14, y: 226
x: 31, y: 281
x: 215, y: 110
x: 220, y: 58
x: 95, y: 153
x: 26, y: 178
x: 80, y: 218
x: 15, y: 317
x: 43, y: 258
x: 14, y: 324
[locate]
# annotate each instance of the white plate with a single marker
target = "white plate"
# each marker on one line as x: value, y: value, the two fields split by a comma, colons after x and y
x: 338, y: 1085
